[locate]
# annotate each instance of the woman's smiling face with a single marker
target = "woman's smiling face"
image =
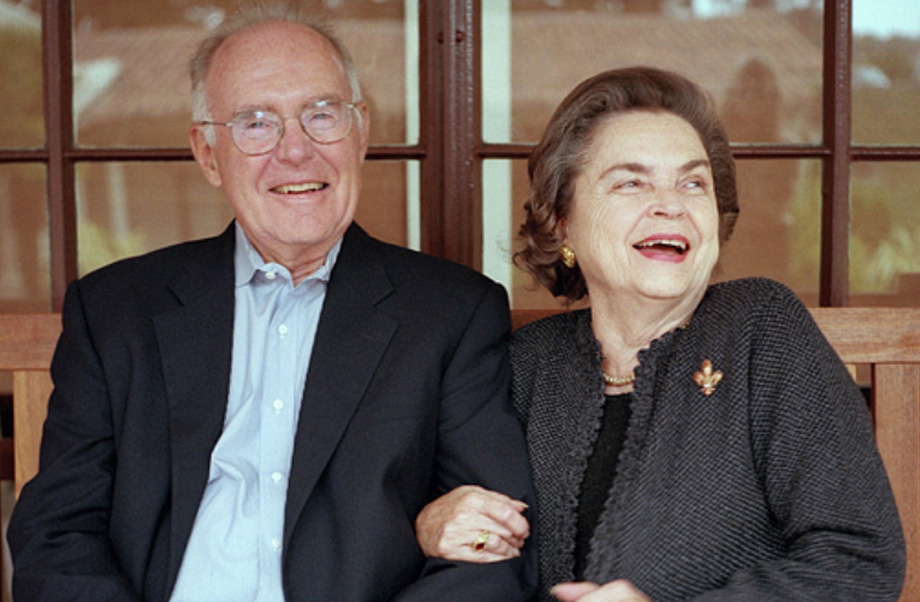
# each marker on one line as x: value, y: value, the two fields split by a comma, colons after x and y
x: 644, y: 219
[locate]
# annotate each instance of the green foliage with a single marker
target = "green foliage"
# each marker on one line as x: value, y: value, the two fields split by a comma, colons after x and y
x: 878, y: 269
x: 885, y: 226
x: 805, y: 214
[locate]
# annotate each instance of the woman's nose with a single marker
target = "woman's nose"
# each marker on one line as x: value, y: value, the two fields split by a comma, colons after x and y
x: 668, y: 203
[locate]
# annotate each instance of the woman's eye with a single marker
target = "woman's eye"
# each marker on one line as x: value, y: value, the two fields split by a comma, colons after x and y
x: 697, y: 184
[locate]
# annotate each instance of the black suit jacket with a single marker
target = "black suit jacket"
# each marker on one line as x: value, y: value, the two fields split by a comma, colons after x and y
x: 406, y: 398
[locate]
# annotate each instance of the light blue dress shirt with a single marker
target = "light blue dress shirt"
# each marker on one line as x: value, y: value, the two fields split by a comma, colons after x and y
x: 234, y: 551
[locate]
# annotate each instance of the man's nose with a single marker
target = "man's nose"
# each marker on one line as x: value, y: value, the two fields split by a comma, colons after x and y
x: 295, y: 145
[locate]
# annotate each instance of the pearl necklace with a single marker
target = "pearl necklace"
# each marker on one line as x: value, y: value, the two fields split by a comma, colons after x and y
x: 619, y: 381
x: 622, y: 381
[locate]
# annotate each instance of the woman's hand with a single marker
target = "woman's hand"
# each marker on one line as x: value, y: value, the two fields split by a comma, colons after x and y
x: 450, y: 526
x: 584, y: 591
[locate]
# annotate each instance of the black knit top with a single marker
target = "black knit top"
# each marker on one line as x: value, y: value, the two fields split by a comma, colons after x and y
x: 602, y: 465
x: 770, y: 488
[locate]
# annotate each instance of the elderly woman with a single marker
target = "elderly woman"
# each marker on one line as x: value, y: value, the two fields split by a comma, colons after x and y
x: 689, y: 441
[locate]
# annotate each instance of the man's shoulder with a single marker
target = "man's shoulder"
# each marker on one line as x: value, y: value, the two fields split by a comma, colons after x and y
x: 147, y: 284
x: 409, y: 267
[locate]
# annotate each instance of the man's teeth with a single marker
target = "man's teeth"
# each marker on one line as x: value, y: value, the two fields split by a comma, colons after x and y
x: 677, y: 244
x: 298, y: 188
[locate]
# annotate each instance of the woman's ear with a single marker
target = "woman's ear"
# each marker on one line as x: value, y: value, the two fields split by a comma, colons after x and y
x: 561, y: 230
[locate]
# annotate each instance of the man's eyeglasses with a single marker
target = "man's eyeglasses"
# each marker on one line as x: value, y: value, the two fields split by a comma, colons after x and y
x: 258, y: 132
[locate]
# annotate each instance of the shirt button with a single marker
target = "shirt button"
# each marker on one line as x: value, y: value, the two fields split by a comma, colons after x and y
x: 283, y: 329
x: 277, y: 476
x: 276, y: 543
x: 278, y: 405
x: 270, y: 275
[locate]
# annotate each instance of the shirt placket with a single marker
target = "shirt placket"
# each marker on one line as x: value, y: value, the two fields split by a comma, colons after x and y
x: 276, y: 410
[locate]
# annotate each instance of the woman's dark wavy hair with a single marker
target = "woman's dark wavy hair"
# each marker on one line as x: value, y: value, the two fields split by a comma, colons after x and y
x: 557, y: 160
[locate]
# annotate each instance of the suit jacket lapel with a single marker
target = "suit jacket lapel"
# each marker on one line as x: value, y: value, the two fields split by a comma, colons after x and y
x: 351, y: 339
x: 196, y: 343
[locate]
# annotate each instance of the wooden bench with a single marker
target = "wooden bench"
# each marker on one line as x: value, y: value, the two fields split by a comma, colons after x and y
x: 886, y: 340
x: 26, y: 345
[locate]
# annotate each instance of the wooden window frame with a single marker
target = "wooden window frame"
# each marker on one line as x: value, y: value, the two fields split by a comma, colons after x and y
x: 450, y: 148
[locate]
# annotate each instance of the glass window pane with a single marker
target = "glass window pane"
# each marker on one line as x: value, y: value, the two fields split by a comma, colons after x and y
x: 125, y: 209
x: 131, y: 84
x: 777, y: 234
x: 504, y: 188
x: 22, y: 125
x: 885, y: 234
x: 389, y: 199
x: 886, y: 72
x: 763, y: 65
x: 25, y: 275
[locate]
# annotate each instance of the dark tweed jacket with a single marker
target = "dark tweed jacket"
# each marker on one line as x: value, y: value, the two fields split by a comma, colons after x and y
x: 769, y: 489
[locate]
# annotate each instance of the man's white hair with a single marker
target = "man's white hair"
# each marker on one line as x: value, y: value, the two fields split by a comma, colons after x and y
x: 249, y: 14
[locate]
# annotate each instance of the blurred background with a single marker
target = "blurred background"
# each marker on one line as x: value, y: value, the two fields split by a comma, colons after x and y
x: 122, y: 182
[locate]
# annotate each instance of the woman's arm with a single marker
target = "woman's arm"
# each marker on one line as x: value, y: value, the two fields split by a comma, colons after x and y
x: 823, y: 478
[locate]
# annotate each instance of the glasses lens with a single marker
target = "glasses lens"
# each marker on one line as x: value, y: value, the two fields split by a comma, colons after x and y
x: 257, y: 132
x: 327, y: 121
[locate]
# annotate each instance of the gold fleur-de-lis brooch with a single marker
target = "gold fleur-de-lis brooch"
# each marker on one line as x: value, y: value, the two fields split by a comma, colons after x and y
x: 707, y: 379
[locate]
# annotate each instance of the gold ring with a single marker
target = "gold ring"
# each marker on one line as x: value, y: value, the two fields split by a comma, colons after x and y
x: 480, y: 543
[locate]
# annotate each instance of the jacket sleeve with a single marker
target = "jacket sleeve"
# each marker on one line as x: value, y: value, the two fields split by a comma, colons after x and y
x: 58, y: 531
x: 481, y: 442
x: 824, y: 480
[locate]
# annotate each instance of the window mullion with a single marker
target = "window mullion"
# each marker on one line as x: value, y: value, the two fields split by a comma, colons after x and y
x: 835, y: 186
x: 58, y: 97
x: 459, y: 134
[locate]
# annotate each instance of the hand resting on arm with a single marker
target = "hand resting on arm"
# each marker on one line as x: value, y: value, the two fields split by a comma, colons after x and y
x: 447, y: 527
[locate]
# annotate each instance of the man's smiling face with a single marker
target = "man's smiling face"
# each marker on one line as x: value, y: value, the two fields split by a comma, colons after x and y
x: 296, y: 201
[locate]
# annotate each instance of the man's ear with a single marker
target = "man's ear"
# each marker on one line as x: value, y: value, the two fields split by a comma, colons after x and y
x: 204, y: 154
x: 365, y: 122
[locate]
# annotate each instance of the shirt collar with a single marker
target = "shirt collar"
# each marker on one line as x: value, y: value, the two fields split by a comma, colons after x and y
x: 248, y: 262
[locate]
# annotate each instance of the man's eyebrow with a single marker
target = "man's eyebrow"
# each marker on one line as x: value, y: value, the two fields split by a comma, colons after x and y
x: 250, y: 109
x: 324, y: 98
x: 312, y: 102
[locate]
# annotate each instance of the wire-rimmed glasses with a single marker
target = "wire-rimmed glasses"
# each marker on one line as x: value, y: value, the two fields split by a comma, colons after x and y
x: 258, y: 132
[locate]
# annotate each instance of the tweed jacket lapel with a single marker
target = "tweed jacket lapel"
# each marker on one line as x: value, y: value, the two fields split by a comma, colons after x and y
x: 351, y: 339
x: 195, y: 345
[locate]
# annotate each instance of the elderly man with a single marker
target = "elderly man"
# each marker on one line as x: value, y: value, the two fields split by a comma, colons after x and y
x: 262, y: 415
